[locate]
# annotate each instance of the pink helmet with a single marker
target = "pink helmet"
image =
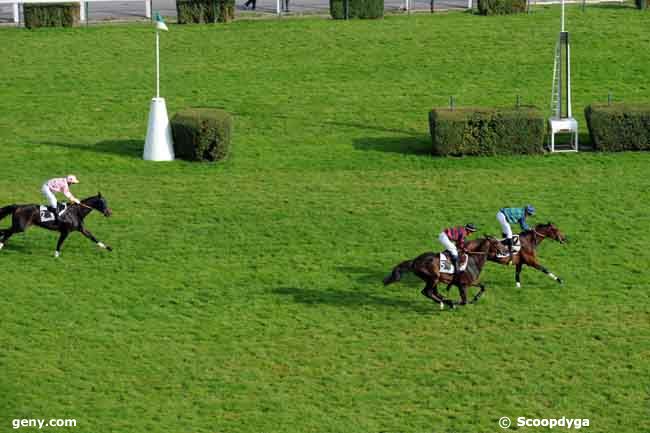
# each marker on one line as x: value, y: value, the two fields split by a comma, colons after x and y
x: 72, y: 178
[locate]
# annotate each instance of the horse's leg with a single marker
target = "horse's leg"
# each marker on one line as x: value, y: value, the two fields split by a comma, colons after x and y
x: 441, y: 299
x: 16, y: 227
x: 535, y: 264
x: 86, y: 233
x: 479, y: 294
x: 462, y: 289
x: 62, y: 237
x: 431, y: 291
x: 517, y: 273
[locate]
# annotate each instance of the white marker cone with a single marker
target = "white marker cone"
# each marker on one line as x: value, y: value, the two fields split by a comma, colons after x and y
x: 159, y: 145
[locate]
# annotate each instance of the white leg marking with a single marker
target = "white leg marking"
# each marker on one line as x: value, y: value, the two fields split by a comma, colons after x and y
x: 552, y: 275
x: 1, y: 245
x: 101, y: 245
x: 442, y: 306
x: 56, y: 254
x: 518, y: 285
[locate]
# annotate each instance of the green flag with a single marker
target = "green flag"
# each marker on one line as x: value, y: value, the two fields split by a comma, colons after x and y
x: 160, y: 24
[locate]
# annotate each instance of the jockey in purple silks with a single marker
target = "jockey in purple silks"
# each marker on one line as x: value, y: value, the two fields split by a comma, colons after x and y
x: 453, y: 238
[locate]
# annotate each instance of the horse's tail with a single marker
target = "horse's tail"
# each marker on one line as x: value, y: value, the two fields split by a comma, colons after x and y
x: 7, y: 210
x: 396, y: 275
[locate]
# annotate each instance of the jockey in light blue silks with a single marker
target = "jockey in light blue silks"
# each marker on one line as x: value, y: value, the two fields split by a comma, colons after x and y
x: 511, y: 215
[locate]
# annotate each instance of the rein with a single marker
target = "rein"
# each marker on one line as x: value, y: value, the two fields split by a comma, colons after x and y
x: 85, y: 205
x: 535, y: 234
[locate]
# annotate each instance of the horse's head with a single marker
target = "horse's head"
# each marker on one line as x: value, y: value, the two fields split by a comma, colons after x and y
x: 100, y: 204
x: 495, y: 246
x: 491, y: 246
x: 549, y: 230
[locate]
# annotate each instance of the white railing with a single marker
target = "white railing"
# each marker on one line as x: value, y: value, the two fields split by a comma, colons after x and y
x: 83, y: 6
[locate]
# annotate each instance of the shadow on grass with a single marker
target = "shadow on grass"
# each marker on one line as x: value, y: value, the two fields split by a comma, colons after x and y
x: 364, y: 275
x: 415, y: 145
x: 351, y: 299
x: 14, y: 246
x: 130, y: 148
x: 368, y: 127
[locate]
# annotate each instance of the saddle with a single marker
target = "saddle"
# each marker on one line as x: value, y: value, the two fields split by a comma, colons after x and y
x: 47, y: 215
x: 447, y: 265
x: 516, y: 246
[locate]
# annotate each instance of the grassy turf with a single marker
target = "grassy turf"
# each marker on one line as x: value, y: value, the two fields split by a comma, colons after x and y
x: 246, y: 296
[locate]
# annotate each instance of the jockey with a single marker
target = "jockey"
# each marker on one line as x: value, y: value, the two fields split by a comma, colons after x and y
x: 59, y: 185
x: 453, y: 238
x: 511, y: 215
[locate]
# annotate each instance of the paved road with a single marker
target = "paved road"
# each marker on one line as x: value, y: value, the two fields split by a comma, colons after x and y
x: 101, y: 11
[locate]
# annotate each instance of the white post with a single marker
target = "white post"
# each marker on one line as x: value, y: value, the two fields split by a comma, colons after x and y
x: 16, y: 13
x: 277, y: 7
x: 157, y: 65
x: 568, y: 79
x: 469, y: 4
x: 82, y: 10
x: 562, y: 15
x: 147, y: 8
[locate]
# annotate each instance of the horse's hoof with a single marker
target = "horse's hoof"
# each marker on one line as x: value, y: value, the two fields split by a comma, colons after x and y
x: 56, y: 254
x: 560, y: 281
x: 518, y: 285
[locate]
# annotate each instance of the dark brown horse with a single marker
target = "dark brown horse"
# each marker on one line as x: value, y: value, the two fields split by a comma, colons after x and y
x: 23, y: 216
x: 427, y: 268
x: 529, y: 241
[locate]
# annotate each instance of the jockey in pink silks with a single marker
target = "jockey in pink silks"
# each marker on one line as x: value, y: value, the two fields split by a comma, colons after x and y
x: 61, y: 185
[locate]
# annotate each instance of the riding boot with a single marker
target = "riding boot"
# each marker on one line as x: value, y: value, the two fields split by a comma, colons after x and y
x: 54, y: 211
x: 508, y: 242
x: 456, y: 263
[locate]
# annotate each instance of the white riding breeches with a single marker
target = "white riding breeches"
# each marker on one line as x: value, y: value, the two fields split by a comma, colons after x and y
x: 505, y: 227
x: 49, y: 195
x: 448, y: 244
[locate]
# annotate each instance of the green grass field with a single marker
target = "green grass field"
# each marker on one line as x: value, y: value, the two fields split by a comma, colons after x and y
x: 246, y: 296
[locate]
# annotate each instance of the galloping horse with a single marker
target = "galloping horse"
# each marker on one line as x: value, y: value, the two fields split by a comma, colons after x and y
x: 529, y: 241
x: 71, y: 220
x: 427, y: 268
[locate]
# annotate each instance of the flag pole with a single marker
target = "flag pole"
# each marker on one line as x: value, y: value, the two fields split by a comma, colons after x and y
x: 159, y: 143
x: 157, y: 64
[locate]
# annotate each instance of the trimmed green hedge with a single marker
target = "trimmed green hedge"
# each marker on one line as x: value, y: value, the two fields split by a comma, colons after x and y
x: 641, y: 4
x: 205, y: 11
x: 501, y: 7
x: 486, y: 131
x: 201, y: 134
x: 51, y: 15
x: 619, y: 126
x: 357, y: 9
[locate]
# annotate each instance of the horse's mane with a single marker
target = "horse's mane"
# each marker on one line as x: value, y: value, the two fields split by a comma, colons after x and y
x: 540, y: 225
x: 97, y: 196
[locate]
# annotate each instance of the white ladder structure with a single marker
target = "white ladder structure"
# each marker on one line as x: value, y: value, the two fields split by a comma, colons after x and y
x: 562, y: 121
